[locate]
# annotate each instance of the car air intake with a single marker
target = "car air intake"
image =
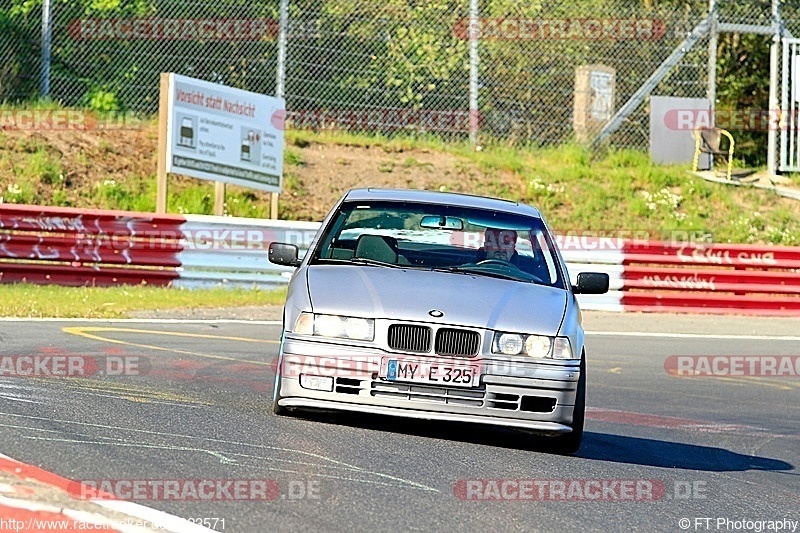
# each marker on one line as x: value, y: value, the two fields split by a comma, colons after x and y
x: 537, y: 404
x: 457, y: 342
x: 410, y: 338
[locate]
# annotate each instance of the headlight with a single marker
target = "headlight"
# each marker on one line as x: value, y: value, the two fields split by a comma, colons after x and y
x: 329, y: 326
x: 359, y: 328
x: 341, y: 327
x: 509, y: 343
x: 538, y: 346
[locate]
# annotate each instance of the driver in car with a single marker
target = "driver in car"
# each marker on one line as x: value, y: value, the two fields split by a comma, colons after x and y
x: 499, y: 244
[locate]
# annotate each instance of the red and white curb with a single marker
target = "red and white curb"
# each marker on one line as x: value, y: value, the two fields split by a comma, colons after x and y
x: 23, y: 507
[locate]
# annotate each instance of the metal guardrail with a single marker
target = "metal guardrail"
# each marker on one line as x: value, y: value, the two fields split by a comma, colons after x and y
x: 63, y: 246
x: 97, y: 248
x: 89, y: 247
x: 233, y: 251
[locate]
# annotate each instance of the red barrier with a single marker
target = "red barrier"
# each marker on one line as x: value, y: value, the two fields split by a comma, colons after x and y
x: 711, y: 278
x: 735, y: 255
x: 706, y: 279
x: 87, y: 221
x: 76, y: 276
x: 122, y: 249
x: 68, y: 246
x: 704, y: 303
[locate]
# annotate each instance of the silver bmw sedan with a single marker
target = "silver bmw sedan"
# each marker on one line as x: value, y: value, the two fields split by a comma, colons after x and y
x: 435, y: 306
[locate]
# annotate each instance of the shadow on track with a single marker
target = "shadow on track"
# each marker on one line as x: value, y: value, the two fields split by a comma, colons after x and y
x: 596, y: 446
x: 666, y: 454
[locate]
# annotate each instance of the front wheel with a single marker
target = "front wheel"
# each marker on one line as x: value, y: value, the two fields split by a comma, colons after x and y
x: 571, y: 442
x: 276, y: 396
x: 276, y: 392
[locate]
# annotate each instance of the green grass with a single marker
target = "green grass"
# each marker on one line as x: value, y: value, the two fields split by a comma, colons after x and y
x: 389, y: 144
x: 618, y: 190
x: 33, y: 301
x: 625, y: 191
x: 576, y: 189
x: 44, y: 167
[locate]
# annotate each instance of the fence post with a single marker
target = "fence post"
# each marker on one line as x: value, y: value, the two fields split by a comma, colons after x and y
x: 712, y: 60
x: 473, y: 71
x: 280, y: 74
x: 280, y: 80
x: 772, y: 134
x: 47, y: 31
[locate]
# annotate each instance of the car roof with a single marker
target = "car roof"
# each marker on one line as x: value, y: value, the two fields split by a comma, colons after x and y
x: 444, y: 198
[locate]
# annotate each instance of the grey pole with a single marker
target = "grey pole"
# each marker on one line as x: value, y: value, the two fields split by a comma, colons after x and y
x: 785, y: 111
x: 473, y: 72
x: 772, y: 134
x: 281, y: 67
x: 712, y: 58
x: 47, y: 29
x: 280, y: 80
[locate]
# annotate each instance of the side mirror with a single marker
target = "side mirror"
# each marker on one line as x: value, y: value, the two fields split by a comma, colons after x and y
x: 283, y: 254
x: 591, y: 283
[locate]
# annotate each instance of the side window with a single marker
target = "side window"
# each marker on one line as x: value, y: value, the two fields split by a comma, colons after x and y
x: 547, y: 256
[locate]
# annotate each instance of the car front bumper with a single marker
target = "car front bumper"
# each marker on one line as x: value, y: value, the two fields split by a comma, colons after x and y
x: 512, y: 392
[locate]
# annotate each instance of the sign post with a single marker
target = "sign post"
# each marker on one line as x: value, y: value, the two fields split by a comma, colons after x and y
x: 163, y: 119
x: 210, y: 131
x: 595, y: 96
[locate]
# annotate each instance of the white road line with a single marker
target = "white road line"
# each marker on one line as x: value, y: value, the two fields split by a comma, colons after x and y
x: 123, y: 443
x: 147, y: 320
x: 692, y: 335
x: 321, y: 457
x: 18, y: 399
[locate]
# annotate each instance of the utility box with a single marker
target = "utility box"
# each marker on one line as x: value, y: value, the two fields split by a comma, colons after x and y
x: 595, y: 94
x: 672, y: 124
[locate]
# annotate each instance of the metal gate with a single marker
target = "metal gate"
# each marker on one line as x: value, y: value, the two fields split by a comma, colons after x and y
x: 790, y: 105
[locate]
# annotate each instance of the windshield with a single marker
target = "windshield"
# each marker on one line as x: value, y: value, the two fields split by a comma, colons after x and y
x: 441, y: 237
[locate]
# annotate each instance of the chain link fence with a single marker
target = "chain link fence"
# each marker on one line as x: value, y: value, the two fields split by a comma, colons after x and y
x: 542, y: 72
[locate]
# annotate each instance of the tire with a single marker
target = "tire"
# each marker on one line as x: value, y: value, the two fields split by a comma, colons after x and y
x: 276, y: 392
x: 276, y: 396
x: 571, y: 442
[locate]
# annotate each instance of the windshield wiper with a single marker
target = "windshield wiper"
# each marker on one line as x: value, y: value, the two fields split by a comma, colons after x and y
x: 479, y: 272
x: 372, y: 262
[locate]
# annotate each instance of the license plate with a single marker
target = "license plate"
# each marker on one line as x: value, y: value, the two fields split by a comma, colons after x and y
x: 432, y: 373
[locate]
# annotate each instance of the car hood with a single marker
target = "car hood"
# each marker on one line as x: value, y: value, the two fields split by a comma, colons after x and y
x: 408, y: 294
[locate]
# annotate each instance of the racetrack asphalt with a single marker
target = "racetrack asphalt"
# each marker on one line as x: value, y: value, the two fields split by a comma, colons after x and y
x: 195, y: 404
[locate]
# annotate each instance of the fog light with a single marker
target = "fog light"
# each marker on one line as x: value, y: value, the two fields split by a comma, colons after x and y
x: 323, y: 383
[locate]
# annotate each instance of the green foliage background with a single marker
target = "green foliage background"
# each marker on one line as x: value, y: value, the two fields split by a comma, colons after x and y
x: 396, y: 55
